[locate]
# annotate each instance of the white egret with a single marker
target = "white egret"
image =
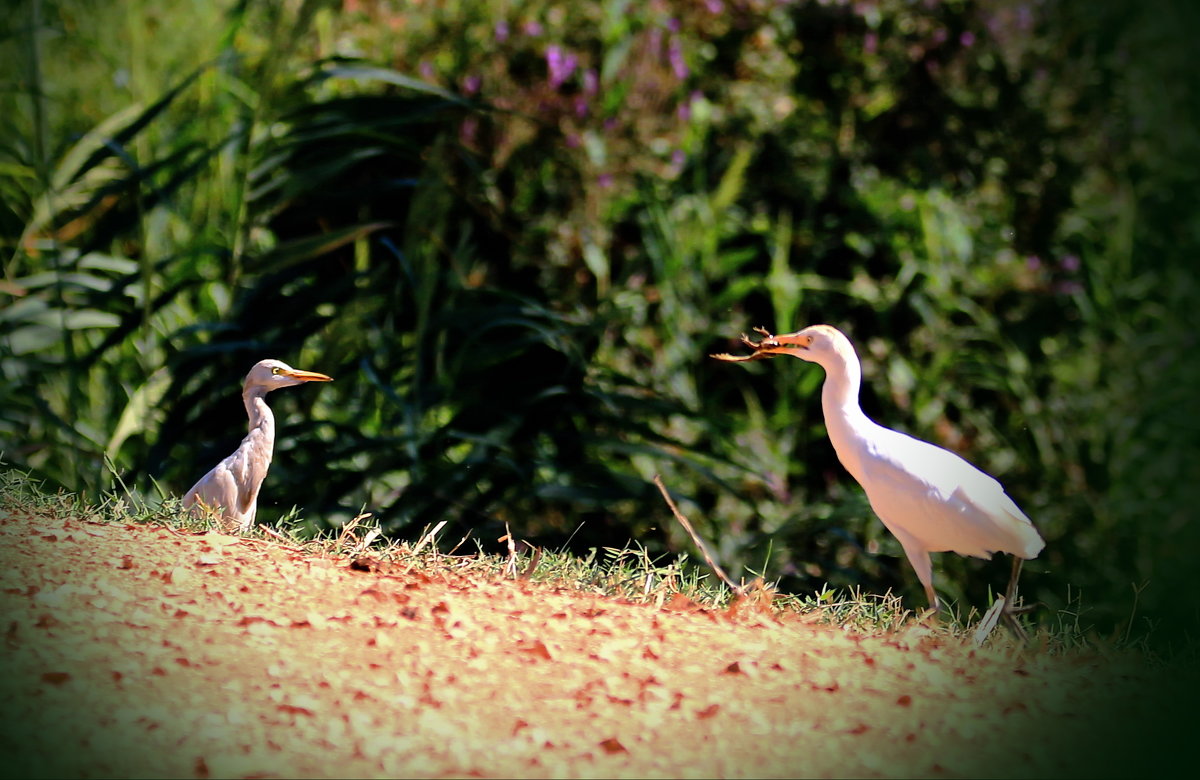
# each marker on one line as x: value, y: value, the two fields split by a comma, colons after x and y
x: 929, y: 498
x: 231, y: 488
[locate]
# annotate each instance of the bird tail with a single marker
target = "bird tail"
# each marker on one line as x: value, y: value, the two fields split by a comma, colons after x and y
x: 1027, y: 542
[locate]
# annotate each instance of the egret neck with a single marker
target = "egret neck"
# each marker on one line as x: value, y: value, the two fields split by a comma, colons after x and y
x: 845, y: 420
x: 262, y: 419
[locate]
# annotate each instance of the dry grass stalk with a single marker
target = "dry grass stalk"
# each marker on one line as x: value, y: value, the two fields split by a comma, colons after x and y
x: 687, y: 526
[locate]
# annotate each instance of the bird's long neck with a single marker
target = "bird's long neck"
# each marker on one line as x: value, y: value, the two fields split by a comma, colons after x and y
x: 844, y: 418
x: 261, y: 418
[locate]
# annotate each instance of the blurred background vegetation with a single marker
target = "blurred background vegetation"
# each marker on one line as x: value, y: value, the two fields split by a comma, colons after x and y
x: 513, y: 231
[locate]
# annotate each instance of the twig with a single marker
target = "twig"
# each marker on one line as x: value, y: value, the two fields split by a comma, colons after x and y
x: 461, y: 542
x: 421, y: 543
x: 365, y: 542
x: 510, y: 568
x: 349, y: 527
x: 427, y: 538
x: 988, y: 622
x: 687, y: 526
x: 1133, y: 610
x: 533, y: 561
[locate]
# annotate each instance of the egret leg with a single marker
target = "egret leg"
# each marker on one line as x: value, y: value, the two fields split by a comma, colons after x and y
x: 934, y: 604
x: 1010, y: 594
x: 918, y: 556
x: 1011, y: 609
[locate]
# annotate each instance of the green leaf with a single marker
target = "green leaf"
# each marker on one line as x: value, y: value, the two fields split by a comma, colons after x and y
x: 141, y: 413
x: 301, y: 249
x: 102, y: 262
x: 387, y: 76
x: 89, y: 318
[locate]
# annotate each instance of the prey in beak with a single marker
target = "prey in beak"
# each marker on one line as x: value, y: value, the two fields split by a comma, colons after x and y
x: 762, y: 349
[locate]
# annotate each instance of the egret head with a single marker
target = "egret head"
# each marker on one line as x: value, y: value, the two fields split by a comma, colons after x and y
x: 269, y: 375
x: 821, y: 344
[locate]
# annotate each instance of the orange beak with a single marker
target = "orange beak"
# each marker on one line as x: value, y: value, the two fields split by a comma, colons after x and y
x: 794, y: 340
x: 307, y: 376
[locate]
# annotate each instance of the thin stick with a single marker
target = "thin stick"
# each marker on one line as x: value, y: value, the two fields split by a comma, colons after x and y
x: 988, y: 621
x: 424, y: 540
x: 533, y: 561
x: 511, y: 566
x: 695, y: 536
x: 349, y: 527
x: 427, y: 538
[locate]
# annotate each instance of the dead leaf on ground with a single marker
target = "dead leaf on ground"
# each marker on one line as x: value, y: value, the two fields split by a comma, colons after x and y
x: 535, y: 647
x: 613, y: 745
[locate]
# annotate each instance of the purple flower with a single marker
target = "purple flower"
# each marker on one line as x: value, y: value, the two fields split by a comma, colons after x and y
x: 1024, y: 17
x: 1033, y: 262
x: 673, y: 24
x: 678, y: 158
x: 573, y: 141
x: 1071, y: 287
x: 468, y: 131
x: 684, y: 111
x: 591, y: 82
x: 559, y: 64
x: 655, y: 41
x: 675, y: 54
x: 532, y: 29
x: 1070, y: 263
x: 500, y: 31
x: 426, y: 70
x: 581, y: 106
x: 610, y: 124
x: 870, y: 43
x: 605, y: 180
x: 967, y: 39
x: 471, y: 84
x: 714, y: 6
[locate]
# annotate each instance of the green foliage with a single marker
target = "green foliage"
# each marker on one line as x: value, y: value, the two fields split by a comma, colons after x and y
x: 512, y: 233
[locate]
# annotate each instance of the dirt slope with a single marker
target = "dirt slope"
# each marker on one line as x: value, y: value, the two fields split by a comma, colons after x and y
x: 141, y: 651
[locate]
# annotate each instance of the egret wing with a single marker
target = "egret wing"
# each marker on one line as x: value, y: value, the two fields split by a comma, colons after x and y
x: 248, y: 465
x: 943, y: 501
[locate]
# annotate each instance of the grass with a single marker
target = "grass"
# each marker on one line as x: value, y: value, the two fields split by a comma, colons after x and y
x: 630, y: 573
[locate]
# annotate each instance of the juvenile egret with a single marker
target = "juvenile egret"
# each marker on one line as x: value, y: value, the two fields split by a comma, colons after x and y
x: 232, y: 485
x: 929, y: 498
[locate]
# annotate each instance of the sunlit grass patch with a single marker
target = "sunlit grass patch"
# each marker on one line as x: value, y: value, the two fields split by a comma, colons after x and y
x: 631, y: 573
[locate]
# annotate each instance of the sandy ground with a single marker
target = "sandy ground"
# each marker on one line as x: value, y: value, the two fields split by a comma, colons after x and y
x: 143, y: 651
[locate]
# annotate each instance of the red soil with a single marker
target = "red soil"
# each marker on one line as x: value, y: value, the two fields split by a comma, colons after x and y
x: 142, y: 651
